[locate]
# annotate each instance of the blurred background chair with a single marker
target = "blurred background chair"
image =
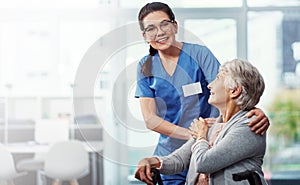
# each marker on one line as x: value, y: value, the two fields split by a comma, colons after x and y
x: 43, y: 135
x: 45, y: 128
x: 7, y: 167
x: 67, y: 161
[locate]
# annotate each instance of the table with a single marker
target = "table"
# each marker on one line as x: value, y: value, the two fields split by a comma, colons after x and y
x: 93, y: 147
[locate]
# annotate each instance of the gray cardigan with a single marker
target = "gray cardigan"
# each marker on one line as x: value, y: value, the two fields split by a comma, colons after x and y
x: 235, y: 150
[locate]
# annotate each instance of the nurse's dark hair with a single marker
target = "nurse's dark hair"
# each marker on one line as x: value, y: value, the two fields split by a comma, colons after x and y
x: 145, y: 10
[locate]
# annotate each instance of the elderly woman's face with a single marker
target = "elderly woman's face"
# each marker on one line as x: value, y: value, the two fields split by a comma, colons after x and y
x: 218, y: 93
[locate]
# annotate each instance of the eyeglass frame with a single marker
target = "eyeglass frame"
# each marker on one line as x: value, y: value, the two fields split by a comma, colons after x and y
x: 156, y: 27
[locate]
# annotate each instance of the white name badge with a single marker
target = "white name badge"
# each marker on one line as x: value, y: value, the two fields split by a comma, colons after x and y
x: 191, y: 89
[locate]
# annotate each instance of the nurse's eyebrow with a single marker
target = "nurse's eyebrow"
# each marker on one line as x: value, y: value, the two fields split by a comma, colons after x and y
x: 153, y: 25
x: 150, y: 26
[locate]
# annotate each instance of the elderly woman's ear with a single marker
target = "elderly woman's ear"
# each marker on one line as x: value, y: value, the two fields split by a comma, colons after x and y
x: 234, y: 93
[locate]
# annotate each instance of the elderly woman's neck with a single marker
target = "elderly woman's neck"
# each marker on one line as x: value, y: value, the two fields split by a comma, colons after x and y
x: 229, y: 111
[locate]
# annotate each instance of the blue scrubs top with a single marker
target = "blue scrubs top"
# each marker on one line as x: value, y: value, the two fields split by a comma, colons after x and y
x: 195, y: 64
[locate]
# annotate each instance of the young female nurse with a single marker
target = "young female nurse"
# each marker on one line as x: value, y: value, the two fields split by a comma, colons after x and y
x: 172, y: 83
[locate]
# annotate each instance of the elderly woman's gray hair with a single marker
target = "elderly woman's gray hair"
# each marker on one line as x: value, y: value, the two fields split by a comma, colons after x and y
x: 242, y: 73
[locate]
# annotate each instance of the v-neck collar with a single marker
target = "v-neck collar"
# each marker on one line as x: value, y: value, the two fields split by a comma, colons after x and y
x: 233, y: 120
x: 178, y: 63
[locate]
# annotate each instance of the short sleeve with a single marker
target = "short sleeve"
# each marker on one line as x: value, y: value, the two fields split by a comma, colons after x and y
x: 209, y: 64
x: 143, y: 83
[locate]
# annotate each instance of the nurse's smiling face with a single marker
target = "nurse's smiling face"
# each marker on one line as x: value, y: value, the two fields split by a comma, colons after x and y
x: 159, y: 30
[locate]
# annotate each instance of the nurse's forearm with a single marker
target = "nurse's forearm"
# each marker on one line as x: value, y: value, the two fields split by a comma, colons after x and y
x: 164, y: 127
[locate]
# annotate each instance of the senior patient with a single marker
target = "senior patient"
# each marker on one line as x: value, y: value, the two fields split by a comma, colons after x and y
x: 227, y: 147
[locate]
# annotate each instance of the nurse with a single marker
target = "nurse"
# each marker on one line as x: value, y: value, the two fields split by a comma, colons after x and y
x: 172, y: 83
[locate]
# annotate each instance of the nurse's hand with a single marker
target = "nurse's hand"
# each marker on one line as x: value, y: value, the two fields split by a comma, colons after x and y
x: 261, y: 123
x: 143, y: 171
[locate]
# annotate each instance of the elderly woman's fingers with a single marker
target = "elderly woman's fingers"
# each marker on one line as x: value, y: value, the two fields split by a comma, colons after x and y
x: 140, y: 174
x: 144, y: 177
x: 148, y: 172
x: 210, y: 121
x: 143, y: 172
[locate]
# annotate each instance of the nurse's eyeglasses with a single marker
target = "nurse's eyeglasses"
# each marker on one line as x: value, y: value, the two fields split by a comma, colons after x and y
x: 165, y: 26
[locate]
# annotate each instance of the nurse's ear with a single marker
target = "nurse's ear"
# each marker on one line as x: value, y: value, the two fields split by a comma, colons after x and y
x: 175, y: 26
x: 145, y: 38
x: 144, y: 35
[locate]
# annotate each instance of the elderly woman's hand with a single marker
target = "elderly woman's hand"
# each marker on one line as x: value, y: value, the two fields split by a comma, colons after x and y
x: 199, y: 128
x: 143, y: 171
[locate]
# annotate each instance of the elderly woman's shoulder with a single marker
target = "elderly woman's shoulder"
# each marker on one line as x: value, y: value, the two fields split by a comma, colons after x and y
x: 242, y: 119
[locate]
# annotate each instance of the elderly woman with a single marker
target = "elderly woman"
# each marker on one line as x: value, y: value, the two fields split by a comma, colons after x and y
x: 226, y: 148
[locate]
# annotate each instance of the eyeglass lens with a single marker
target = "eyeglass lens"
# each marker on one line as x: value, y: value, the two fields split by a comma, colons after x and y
x: 152, y: 30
